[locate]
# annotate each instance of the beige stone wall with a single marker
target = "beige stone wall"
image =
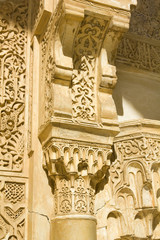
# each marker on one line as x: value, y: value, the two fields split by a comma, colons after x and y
x: 79, y: 120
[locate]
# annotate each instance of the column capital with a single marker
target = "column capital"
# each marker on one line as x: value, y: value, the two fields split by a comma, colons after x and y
x: 78, y: 170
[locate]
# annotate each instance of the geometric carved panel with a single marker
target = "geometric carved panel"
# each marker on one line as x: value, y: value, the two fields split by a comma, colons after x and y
x: 12, y: 210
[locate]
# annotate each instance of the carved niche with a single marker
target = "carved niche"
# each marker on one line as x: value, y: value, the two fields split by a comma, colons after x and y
x: 134, y: 177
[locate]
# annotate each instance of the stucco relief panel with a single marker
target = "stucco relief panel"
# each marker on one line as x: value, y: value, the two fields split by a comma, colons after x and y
x: 13, y: 24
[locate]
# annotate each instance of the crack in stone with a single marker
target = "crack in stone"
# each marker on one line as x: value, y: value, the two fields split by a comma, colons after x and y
x: 100, y: 208
x: 41, y: 214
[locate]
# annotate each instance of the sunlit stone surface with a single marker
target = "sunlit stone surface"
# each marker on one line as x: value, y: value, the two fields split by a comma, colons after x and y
x: 79, y: 120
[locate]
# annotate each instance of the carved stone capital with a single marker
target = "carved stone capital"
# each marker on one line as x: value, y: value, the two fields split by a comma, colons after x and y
x: 78, y: 171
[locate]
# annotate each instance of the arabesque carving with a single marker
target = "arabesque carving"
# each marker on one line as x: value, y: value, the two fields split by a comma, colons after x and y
x: 48, y: 63
x: 72, y: 199
x: 143, y: 17
x: 13, y: 46
x: 144, y: 147
x: 134, y: 178
x: 12, y: 83
x: 86, y: 48
x: 139, y: 54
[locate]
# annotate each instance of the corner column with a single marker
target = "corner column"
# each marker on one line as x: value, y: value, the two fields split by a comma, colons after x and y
x: 75, y: 171
x: 79, y: 120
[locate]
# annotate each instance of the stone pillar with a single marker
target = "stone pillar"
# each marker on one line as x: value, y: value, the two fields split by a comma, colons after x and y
x: 78, y: 119
x: 77, y: 170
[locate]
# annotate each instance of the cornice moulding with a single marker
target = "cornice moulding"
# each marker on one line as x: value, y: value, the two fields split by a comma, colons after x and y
x: 139, y: 128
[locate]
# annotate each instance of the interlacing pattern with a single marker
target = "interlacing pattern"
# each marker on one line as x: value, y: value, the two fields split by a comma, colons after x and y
x: 87, y: 44
x: 13, y: 45
x: 13, y: 37
x: 12, y: 212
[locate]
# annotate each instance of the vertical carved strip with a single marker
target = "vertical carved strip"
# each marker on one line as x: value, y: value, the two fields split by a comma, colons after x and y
x: 47, y: 65
x: 29, y: 145
x: 13, y: 37
x: 87, y: 44
x: 13, y: 45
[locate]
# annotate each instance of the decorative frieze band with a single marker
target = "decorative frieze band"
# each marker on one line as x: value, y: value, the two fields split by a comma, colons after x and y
x: 142, y: 147
x: 139, y: 54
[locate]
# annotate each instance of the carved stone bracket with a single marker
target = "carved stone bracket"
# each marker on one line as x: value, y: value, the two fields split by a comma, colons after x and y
x: 78, y: 51
x: 86, y: 48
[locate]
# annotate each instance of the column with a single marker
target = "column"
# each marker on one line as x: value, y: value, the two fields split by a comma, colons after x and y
x: 78, y: 119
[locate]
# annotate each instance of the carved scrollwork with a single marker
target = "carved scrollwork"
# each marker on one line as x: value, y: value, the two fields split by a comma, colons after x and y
x: 149, y: 148
x: 87, y: 45
x: 12, y: 83
x: 14, y: 214
x: 63, y: 197
x: 78, y: 198
x: 116, y: 171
